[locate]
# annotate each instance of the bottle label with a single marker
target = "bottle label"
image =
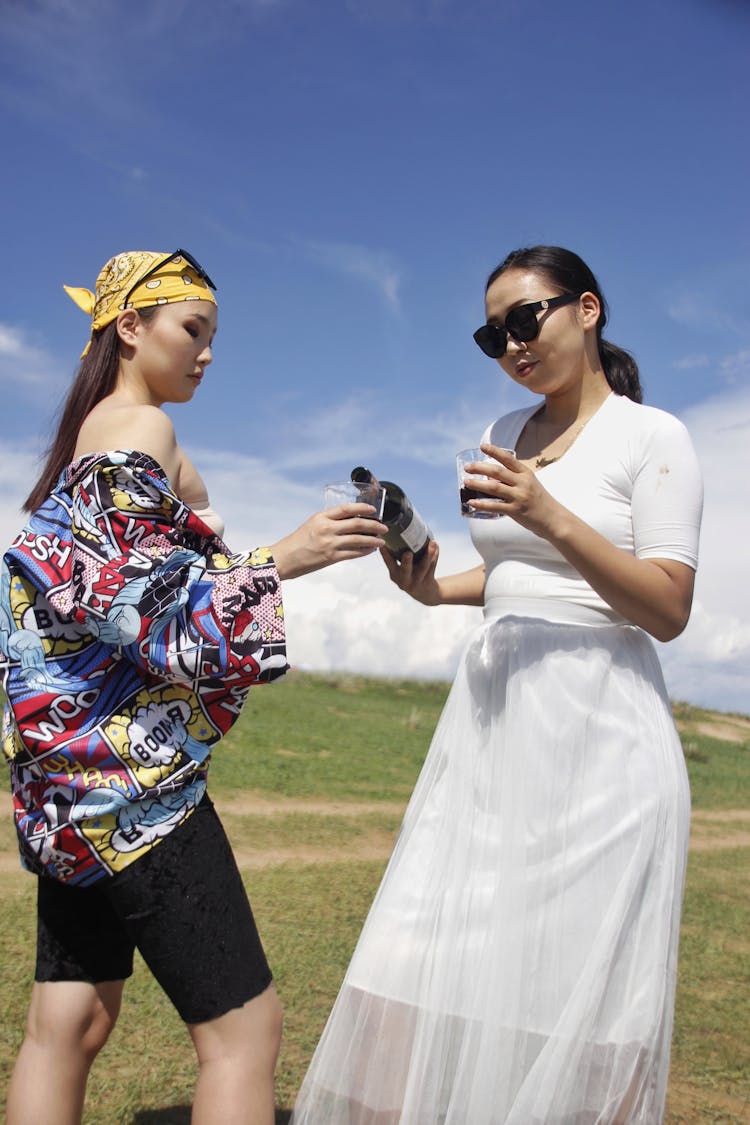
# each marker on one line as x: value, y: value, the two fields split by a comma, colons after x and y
x: 416, y: 533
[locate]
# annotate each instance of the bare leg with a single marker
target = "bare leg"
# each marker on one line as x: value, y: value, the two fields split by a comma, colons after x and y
x: 361, y: 1115
x: 632, y: 1100
x: 68, y: 1024
x: 383, y: 1026
x: 237, y: 1055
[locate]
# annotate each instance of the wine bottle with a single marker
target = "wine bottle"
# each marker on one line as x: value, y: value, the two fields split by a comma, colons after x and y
x: 407, y: 531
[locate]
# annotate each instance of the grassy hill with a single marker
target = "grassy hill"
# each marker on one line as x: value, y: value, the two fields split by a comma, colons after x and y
x: 311, y: 784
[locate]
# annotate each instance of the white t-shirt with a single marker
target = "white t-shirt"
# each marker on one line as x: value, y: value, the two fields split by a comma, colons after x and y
x: 632, y: 474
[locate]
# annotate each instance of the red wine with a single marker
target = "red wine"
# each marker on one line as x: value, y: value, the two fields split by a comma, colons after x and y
x: 467, y: 494
x: 407, y: 531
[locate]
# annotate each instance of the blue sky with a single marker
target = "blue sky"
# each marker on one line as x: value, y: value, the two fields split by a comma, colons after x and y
x: 349, y: 171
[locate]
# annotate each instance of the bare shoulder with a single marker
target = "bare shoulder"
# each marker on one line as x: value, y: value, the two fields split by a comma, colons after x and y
x: 145, y: 429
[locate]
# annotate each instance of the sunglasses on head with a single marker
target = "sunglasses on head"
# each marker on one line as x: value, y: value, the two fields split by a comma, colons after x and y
x: 195, y: 265
x: 521, y: 323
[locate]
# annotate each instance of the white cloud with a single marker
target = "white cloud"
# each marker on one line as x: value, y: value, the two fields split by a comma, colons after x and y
x: 331, y: 436
x: 334, y: 436
x: 24, y: 364
x: 708, y: 663
x: 20, y: 471
x: 435, y: 440
x: 735, y: 368
x: 689, y: 362
x: 351, y: 617
x: 715, y: 302
x: 375, y: 267
x: 63, y: 49
x: 11, y: 342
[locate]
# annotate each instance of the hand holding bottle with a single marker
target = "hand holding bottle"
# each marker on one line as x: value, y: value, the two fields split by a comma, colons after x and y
x: 348, y: 531
x: 407, y: 531
x: 411, y: 554
x: 416, y: 577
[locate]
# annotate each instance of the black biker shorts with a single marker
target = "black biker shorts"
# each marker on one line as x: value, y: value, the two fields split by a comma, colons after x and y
x: 183, y: 906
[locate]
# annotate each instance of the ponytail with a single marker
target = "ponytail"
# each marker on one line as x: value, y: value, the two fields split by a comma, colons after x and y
x: 621, y: 370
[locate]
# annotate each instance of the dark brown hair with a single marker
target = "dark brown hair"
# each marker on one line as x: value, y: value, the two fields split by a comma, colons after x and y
x: 96, y: 378
x: 570, y: 274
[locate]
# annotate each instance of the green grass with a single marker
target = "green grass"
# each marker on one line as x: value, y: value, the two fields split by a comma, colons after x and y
x: 331, y: 736
x: 715, y: 968
x: 711, y: 1042
x: 307, y: 829
x: 718, y: 772
x: 310, y: 746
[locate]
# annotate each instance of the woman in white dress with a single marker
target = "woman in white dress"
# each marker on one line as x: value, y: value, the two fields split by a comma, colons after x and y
x: 518, y: 964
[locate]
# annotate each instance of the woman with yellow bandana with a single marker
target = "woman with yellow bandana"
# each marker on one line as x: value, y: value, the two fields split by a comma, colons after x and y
x: 129, y: 637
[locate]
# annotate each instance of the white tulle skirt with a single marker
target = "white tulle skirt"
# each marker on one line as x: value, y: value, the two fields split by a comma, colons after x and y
x: 518, y: 964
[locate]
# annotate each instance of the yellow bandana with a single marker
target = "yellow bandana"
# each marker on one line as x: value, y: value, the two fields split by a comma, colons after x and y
x: 176, y: 281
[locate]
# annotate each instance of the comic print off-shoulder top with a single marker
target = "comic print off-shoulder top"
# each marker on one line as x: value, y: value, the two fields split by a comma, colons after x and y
x: 130, y: 637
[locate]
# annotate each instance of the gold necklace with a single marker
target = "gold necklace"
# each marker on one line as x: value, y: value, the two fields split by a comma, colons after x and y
x: 541, y: 462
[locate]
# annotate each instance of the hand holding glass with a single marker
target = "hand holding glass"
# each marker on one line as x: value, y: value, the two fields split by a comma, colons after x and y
x: 465, y: 491
x: 355, y: 492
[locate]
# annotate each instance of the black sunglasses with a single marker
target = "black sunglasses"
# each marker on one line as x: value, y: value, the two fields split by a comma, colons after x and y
x: 521, y: 323
x: 191, y: 261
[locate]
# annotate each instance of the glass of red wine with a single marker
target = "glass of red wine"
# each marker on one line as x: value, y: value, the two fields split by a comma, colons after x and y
x: 465, y: 480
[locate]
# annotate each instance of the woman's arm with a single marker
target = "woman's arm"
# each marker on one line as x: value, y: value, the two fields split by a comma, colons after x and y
x: 419, y: 581
x: 345, y: 532
x: 654, y: 593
